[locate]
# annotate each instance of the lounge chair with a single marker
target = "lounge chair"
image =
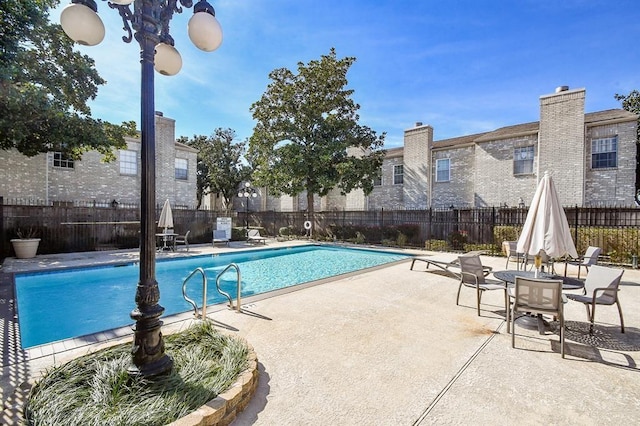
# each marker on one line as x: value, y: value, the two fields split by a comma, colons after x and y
x: 220, y: 236
x: 600, y: 288
x: 182, y: 239
x: 448, y: 262
x: 253, y: 236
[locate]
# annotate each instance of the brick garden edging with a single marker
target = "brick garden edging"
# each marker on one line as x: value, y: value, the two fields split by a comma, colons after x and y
x: 223, y: 409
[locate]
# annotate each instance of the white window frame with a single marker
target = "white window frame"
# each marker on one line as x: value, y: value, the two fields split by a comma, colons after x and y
x: 128, y: 162
x: 61, y: 161
x: 523, y: 156
x: 603, y: 151
x: 398, y: 174
x: 440, y: 177
x: 182, y: 169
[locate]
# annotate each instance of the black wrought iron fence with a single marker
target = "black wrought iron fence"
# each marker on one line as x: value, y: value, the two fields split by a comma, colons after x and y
x: 73, y: 227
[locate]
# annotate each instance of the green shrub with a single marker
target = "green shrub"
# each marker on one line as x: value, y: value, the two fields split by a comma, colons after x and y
x: 457, y: 240
x: 238, y: 234
x: 436, y: 245
x: 506, y: 233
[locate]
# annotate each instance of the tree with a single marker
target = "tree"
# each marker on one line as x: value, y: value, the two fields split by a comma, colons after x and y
x: 631, y: 103
x: 220, y: 164
x: 307, y: 136
x: 45, y: 86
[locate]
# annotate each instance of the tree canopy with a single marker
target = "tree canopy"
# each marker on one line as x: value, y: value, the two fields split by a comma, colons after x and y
x: 630, y: 102
x: 307, y: 136
x: 45, y: 86
x: 221, y: 168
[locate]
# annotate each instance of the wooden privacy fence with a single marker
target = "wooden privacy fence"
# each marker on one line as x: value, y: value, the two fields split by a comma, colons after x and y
x: 67, y: 227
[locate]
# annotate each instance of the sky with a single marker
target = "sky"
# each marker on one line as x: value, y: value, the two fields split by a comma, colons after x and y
x: 461, y: 66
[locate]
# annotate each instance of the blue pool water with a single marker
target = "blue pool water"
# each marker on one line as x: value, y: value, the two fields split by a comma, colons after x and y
x: 64, y: 304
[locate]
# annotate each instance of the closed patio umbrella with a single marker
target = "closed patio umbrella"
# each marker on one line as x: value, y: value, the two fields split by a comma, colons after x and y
x: 166, y: 217
x: 546, y: 227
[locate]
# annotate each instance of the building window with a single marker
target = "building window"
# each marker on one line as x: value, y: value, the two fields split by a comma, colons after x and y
x: 523, y: 160
x: 128, y: 162
x: 398, y: 175
x: 62, y: 161
x: 377, y: 181
x: 182, y: 171
x: 443, y: 170
x: 604, y: 153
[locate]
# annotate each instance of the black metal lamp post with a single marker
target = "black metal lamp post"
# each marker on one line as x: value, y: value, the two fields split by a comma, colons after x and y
x: 247, y: 192
x: 149, y: 23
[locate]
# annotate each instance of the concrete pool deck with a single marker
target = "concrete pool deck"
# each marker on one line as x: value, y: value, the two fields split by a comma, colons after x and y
x: 390, y: 347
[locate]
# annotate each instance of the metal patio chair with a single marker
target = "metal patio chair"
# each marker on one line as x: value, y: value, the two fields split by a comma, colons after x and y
x: 600, y: 288
x: 538, y: 297
x: 472, y: 274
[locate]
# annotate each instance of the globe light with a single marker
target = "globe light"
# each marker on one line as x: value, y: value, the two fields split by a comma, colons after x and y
x: 204, y: 29
x: 82, y: 24
x: 167, y: 60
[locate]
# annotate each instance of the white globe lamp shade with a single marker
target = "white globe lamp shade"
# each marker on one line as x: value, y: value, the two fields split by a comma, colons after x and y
x: 82, y: 24
x: 167, y: 60
x: 205, y: 31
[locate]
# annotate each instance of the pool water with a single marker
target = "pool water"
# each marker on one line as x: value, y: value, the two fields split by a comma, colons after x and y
x: 64, y: 304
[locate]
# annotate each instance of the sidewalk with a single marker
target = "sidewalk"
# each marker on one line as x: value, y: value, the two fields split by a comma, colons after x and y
x: 390, y: 347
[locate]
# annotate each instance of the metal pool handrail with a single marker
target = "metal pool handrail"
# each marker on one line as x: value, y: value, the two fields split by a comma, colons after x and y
x: 237, y: 268
x: 204, y: 289
x: 204, y: 292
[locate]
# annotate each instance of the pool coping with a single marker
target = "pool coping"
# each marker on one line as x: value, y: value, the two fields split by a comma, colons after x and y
x: 21, y: 367
x: 60, y: 347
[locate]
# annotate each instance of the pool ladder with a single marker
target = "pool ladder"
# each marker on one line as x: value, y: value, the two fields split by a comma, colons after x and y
x: 203, y: 314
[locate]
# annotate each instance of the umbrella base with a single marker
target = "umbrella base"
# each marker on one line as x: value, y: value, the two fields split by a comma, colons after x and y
x: 534, y: 322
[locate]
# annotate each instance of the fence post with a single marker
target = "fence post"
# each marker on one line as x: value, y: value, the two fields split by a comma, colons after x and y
x: 575, y: 232
x: 493, y: 225
x: 2, y: 230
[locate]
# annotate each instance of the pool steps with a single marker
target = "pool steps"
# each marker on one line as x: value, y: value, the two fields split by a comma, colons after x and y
x: 203, y: 314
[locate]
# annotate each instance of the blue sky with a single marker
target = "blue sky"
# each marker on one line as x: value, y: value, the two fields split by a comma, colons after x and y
x: 463, y: 66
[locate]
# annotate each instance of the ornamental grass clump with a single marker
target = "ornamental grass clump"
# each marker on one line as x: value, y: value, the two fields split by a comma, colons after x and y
x: 96, y: 389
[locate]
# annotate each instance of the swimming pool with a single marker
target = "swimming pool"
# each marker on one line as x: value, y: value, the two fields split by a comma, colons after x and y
x: 64, y: 304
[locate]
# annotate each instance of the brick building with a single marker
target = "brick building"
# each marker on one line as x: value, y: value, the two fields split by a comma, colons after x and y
x: 52, y: 178
x: 592, y: 157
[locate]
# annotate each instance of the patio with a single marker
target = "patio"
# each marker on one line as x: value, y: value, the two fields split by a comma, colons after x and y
x: 391, y: 347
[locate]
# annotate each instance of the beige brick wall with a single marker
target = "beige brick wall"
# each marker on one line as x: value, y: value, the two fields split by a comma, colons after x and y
x: 495, y: 183
x: 22, y: 177
x: 93, y: 180
x: 458, y: 191
x: 417, y: 143
x: 617, y: 185
x: 561, y: 148
x: 387, y: 195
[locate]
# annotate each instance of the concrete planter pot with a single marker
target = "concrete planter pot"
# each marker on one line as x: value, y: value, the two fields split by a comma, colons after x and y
x: 25, y: 248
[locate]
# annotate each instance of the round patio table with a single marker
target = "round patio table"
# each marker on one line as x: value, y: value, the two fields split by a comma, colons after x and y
x: 568, y: 283
x: 529, y: 321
